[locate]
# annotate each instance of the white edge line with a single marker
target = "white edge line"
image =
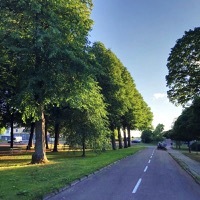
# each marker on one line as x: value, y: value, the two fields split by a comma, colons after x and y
x: 136, y: 186
x: 145, y: 168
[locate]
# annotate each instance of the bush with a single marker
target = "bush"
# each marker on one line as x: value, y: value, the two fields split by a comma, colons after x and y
x: 195, y: 146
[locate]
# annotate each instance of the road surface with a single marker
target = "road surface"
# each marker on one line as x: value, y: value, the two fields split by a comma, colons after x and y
x: 150, y: 174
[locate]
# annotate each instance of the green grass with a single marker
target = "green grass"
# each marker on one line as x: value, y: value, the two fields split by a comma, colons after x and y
x: 20, y: 180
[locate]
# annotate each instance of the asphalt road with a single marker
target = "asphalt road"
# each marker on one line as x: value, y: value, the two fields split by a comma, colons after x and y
x: 150, y: 174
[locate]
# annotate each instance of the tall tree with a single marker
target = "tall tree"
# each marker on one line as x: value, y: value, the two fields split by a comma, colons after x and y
x: 183, y: 65
x: 43, y: 41
x: 108, y: 71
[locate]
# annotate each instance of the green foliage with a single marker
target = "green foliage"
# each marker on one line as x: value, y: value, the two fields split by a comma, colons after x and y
x: 168, y: 134
x: 146, y: 136
x: 186, y: 127
x: 183, y: 64
x: 108, y: 71
x: 46, y: 63
x: 2, y: 130
x: 158, y: 133
x: 125, y: 104
x: 39, y: 40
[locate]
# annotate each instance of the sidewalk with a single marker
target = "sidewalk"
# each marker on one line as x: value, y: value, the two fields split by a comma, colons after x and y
x: 191, y: 166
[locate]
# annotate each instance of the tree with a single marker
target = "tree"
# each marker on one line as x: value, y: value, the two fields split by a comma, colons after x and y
x: 146, y: 136
x: 183, y: 64
x: 186, y: 127
x: 108, y: 72
x: 138, y: 115
x: 158, y: 132
x: 43, y: 42
x: 92, y: 116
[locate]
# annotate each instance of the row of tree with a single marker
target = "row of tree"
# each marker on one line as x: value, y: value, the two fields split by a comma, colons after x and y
x: 51, y: 75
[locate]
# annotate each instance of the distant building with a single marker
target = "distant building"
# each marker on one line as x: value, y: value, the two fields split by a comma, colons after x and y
x: 24, y: 133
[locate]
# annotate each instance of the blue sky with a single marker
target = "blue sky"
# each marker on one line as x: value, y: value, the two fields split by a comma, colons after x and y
x: 141, y: 33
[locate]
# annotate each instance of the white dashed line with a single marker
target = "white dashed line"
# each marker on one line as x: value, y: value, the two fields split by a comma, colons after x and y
x: 140, y: 180
x: 145, y: 168
x: 136, y: 186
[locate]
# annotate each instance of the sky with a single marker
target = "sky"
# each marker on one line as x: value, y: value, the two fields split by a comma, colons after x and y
x: 141, y: 34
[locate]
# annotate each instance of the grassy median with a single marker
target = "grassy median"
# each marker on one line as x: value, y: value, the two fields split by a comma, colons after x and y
x: 20, y: 180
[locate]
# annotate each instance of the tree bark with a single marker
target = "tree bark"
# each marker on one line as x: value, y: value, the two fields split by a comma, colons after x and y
x: 39, y: 155
x: 56, y: 128
x: 189, y: 147
x: 129, y: 136
x: 83, y: 145
x: 30, y: 141
x: 11, y: 131
x: 119, y: 138
x: 46, y: 137
x: 113, y: 138
x: 125, y: 140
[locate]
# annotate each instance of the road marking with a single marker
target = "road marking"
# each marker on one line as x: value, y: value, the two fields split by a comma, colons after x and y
x: 149, y: 161
x: 145, y: 168
x: 151, y: 157
x: 136, y: 186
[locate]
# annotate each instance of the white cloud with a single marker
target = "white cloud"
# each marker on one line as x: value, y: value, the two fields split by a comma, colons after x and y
x: 159, y: 95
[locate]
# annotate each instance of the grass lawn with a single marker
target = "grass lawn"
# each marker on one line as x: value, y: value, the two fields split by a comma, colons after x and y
x: 193, y: 155
x: 20, y: 180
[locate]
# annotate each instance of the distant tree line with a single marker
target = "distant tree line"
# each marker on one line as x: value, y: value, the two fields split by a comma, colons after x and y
x: 156, y: 135
x: 51, y: 78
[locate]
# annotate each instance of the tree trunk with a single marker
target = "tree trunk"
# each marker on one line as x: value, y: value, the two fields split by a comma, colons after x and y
x: 119, y: 138
x: 125, y: 140
x: 113, y: 138
x: 11, y: 131
x: 56, y: 128
x: 39, y: 155
x: 46, y: 137
x: 129, y: 136
x: 83, y: 145
x: 189, y: 147
x: 30, y: 141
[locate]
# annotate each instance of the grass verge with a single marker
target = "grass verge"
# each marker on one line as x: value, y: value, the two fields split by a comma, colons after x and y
x: 20, y: 180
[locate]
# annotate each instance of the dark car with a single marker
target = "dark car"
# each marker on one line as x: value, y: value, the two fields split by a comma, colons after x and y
x: 136, y: 141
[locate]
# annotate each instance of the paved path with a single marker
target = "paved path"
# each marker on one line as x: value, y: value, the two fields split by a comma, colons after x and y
x: 191, y: 166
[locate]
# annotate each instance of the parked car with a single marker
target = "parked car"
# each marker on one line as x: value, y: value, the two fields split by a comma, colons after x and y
x: 17, y: 139
x: 136, y: 140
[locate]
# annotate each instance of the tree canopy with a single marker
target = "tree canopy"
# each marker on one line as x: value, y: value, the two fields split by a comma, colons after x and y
x: 48, y: 71
x: 183, y: 65
x: 186, y: 127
